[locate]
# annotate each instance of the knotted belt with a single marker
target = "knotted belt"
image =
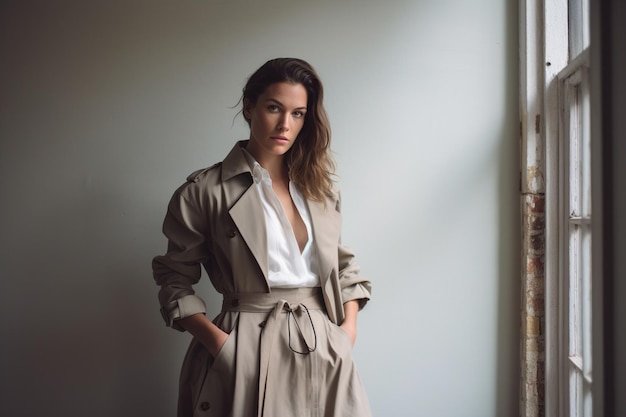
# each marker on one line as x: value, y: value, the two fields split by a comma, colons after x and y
x: 296, y: 303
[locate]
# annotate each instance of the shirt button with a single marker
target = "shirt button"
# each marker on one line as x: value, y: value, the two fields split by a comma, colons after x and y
x: 234, y: 302
x: 231, y: 233
x: 205, y: 406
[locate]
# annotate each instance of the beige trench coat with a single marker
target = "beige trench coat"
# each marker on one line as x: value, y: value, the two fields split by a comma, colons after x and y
x: 215, y: 220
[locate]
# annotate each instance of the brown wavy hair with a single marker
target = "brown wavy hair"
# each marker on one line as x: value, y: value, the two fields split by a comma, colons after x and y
x: 311, y: 166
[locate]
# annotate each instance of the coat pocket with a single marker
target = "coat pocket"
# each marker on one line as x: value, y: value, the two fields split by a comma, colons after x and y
x: 215, y: 393
x: 343, y: 333
x: 339, y: 343
x: 225, y: 358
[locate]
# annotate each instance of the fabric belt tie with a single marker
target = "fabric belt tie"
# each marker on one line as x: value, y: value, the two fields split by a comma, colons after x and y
x: 296, y: 302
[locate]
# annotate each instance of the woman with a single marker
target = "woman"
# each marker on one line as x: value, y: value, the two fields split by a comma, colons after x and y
x: 265, y: 224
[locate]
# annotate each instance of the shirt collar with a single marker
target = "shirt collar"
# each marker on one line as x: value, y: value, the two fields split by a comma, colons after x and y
x: 259, y: 174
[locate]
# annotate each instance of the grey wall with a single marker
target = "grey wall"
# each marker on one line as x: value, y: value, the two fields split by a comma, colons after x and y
x: 106, y: 106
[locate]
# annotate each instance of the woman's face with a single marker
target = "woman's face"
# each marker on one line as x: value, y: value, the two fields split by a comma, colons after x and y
x: 276, y: 119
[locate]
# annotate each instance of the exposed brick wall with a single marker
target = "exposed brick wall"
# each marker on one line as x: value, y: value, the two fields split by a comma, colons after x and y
x: 532, y: 402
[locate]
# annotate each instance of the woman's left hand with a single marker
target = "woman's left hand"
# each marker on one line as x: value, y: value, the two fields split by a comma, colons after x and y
x: 351, y: 308
x: 350, y: 329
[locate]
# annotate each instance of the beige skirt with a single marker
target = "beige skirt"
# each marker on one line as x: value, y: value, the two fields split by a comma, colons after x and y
x: 283, y: 358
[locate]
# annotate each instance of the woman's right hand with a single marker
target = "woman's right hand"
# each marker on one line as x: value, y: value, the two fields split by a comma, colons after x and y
x: 203, y: 329
x: 220, y: 339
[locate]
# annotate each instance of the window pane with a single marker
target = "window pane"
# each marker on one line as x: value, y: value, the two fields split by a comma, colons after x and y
x: 585, y: 265
x: 575, y: 153
x: 578, y: 27
x: 585, y: 144
x: 587, y: 402
x: 575, y: 391
x: 575, y: 297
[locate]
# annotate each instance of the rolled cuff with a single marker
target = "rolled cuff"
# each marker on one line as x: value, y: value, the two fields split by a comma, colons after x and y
x: 357, y: 292
x: 180, y: 308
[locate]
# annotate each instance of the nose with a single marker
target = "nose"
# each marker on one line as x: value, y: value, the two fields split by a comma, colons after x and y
x: 283, y: 123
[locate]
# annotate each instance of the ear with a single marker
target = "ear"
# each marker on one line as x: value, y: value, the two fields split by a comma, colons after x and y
x: 247, y: 108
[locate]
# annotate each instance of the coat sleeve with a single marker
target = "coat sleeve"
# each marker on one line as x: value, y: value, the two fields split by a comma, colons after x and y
x: 180, y: 268
x: 353, y: 285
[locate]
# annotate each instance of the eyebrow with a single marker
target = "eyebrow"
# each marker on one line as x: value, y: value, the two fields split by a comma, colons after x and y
x: 282, y: 105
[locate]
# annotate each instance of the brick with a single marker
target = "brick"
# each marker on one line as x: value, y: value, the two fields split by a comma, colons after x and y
x: 535, y: 203
x: 534, y: 266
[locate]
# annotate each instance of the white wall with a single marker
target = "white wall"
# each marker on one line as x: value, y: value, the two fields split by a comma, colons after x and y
x: 106, y: 106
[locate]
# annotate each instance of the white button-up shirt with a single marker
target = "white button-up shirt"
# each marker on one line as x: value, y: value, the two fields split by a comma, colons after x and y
x: 288, y: 267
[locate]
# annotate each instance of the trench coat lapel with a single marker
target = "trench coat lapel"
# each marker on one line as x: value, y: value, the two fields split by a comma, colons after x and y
x: 326, y: 223
x: 245, y: 204
x: 252, y: 226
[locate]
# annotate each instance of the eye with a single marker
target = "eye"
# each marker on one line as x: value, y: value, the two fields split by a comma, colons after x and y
x: 273, y: 108
x: 298, y: 114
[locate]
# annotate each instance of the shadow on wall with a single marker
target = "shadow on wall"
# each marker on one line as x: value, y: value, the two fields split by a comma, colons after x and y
x: 86, y: 336
x: 508, y: 342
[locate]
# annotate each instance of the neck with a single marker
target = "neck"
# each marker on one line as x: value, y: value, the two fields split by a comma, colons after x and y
x: 277, y: 168
x: 275, y: 165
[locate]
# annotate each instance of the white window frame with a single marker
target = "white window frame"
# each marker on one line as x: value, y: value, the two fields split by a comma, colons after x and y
x: 561, y: 76
x: 574, y: 231
x: 554, y: 45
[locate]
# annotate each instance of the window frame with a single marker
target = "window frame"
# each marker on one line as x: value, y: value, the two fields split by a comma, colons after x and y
x: 574, y: 77
x: 554, y: 45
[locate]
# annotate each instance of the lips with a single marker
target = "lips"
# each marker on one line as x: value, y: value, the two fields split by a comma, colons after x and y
x: 281, y: 139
